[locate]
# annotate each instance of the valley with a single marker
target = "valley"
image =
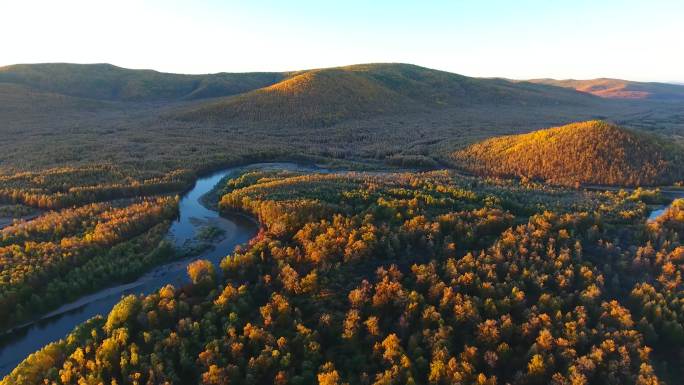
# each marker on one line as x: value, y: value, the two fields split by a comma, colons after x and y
x: 375, y: 223
x: 336, y: 114
x: 192, y: 216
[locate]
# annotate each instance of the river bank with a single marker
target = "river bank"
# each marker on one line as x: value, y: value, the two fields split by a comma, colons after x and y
x: 193, y: 216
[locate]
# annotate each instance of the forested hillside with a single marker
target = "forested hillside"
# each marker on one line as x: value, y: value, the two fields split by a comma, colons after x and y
x: 108, y: 82
x: 593, y: 152
x: 66, y: 187
x: 148, y: 124
x: 326, y: 96
x: 387, y: 278
x: 368, y: 278
x: 620, y: 89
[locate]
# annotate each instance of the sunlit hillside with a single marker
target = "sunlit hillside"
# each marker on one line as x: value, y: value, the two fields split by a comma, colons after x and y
x: 620, y: 89
x: 325, y: 96
x: 593, y: 152
x: 341, y: 193
x: 151, y: 123
x: 312, y: 98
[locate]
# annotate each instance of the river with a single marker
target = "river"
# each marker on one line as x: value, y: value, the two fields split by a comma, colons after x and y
x: 656, y: 213
x: 193, y: 216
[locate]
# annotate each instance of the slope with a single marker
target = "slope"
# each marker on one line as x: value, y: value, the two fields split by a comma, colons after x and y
x: 593, y: 152
x: 620, y: 89
x: 327, y: 96
x: 108, y: 82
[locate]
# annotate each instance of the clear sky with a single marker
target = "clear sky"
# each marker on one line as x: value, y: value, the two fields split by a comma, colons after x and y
x: 638, y: 40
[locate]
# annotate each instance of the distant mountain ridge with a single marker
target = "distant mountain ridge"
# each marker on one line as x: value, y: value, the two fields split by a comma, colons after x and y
x: 326, y: 96
x: 109, y: 82
x: 620, y: 89
x: 308, y: 98
x: 401, y: 114
x: 593, y: 152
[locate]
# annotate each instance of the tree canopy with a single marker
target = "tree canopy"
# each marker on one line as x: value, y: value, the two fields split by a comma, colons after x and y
x: 421, y: 278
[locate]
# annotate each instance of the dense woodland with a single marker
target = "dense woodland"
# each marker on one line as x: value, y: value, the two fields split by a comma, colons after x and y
x: 111, y: 83
x: 381, y: 278
x: 61, y: 255
x: 97, y: 230
x: 359, y: 278
x: 323, y: 97
x: 70, y: 186
x: 593, y: 152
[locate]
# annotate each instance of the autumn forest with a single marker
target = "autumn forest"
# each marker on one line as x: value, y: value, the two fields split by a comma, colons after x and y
x: 368, y: 224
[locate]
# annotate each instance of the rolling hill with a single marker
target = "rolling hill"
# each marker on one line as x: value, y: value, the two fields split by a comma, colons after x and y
x: 72, y: 115
x: 620, y: 89
x: 309, y: 98
x: 108, y: 82
x: 17, y: 100
x: 323, y: 97
x: 592, y: 152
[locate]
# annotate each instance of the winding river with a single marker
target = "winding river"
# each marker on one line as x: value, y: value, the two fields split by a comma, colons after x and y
x: 193, y: 216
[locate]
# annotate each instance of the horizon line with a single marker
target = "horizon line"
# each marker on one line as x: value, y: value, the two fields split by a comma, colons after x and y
x: 672, y: 82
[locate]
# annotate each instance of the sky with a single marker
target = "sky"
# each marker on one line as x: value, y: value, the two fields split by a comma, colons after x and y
x: 520, y: 39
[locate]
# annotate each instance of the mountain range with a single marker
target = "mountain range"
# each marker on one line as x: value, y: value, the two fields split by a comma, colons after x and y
x: 310, y: 97
x: 109, y: 82
x: 323, y: 97
x: 620, y: 89
x: 82, y: 113
x: 319, y: 96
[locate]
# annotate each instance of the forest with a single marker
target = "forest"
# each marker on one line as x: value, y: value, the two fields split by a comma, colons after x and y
x: 388, y: 278
x: 593, y: 152
x: 148, y: 124
x: 61, y: 255
x: 69, y: 231
x: 424, y: 265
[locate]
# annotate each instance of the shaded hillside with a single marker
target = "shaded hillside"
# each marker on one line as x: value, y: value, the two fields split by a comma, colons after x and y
x: 17, y: 100
x: 593, y: 152
x: 326, y: 96
x: 108, y: 82
x: 620, y: 89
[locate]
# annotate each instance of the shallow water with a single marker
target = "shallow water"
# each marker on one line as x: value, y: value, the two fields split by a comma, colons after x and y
x: 656, y: 213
